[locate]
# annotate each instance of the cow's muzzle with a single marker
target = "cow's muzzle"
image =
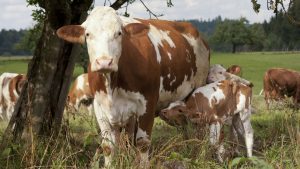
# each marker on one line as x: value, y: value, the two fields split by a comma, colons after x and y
x: 104, y: 65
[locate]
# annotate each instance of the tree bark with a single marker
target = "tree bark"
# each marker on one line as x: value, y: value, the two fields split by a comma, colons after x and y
x: 39, y: 110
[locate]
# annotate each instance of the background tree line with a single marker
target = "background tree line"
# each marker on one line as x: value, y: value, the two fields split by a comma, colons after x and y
x: 224, y: 35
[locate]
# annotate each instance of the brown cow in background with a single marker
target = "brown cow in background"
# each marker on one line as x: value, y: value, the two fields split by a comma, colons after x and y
x: 280, y: 82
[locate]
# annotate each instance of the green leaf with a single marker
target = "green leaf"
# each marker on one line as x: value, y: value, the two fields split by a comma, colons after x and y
x: 6, y: 152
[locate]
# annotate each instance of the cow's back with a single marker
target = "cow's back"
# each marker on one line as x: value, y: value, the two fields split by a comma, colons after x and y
x: 172, y: 59
x: 283, y: 80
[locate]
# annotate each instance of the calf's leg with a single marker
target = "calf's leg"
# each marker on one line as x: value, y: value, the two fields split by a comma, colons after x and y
x: 245, y: 117
x: 214, y: 138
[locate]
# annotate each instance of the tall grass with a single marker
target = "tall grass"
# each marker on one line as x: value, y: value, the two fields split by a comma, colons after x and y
x: 276, y: 132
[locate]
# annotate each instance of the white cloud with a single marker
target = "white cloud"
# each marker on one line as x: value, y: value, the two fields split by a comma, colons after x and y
x: 15, y: 13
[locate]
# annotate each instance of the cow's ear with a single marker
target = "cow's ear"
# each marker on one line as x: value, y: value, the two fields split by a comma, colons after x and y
x: 72, y: 33
x: 136, y: 29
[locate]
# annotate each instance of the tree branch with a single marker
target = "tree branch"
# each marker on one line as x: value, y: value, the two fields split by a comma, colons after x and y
x: 118, y: 4
x: 150, y: 12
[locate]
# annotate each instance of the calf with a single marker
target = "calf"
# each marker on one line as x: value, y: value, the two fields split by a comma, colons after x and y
x: 10, y: 88
x: 214, y: 104
x: 280, y: 82
x: 79, y: 94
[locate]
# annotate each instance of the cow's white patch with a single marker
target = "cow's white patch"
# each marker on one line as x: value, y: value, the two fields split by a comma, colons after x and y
x: 157, y: 36
x: 173, y: 81
x: 166, y: 97
x: 170, y: 56
x: 202, y: 58
x: 102, y: 28
x: 80, y: 82
x: 174, y: 104
x: 242, y: 102
x: 210, y: 93
x: 141, y: 134
x: 127, y: 20
x: 119, y: 105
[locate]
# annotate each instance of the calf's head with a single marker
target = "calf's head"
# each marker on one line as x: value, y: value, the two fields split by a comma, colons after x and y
x: 175, y: 114
x: 218, y: 72
x: 103, y: 32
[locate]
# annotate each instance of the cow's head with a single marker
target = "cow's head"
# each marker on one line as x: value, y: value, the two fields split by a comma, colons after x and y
x: 103, y: 31
x: 175, y: 114
x: 218, y: 72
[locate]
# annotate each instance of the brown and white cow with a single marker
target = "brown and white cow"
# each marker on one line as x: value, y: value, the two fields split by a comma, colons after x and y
x: 280, y: 82
x: 141, y: 66
x: 80, y: 94
x: 10, y: 88
x: 217, y: 72
x: 214, y: 104
x: 234, y: 69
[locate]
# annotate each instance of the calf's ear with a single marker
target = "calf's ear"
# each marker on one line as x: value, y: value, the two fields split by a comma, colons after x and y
x: 72, y: 33
x: 136, y: 29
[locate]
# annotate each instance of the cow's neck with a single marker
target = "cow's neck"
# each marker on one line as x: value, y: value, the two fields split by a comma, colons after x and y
x: 110, y: 81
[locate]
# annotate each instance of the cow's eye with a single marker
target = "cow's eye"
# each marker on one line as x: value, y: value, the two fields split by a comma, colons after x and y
x: 87, y: 34
x: 220, y: 72
x: 120, y: 33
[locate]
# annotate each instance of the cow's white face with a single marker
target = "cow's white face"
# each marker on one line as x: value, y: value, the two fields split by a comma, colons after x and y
x: 103, y: 31
x: 103, y: 34
x: 216, y: 73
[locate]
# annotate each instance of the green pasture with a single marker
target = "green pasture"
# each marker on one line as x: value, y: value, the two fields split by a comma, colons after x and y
x: 253, y: 64
x: 276, y: 131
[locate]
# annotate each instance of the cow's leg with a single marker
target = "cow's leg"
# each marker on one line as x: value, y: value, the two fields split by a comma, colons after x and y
x: 130, y: 128
x: 267, y: 99
x: 214, y: 138
x: 296, y: 98
x: 245, y: 117
x: 110, y: 135
x: 90, y: 109
x: 238, y: 131
x: 143, y: 134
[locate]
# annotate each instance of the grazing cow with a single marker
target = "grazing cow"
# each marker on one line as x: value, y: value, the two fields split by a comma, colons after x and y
x: 79, y: 94
x: 217, y: 72
x: 10, y: 88
x: 215, y: 104
x: 280, y: 82
x: 234, y: 69
x: 141, y: 66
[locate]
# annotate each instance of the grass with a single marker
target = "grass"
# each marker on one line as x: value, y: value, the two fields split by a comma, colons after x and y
x: 276, y: 132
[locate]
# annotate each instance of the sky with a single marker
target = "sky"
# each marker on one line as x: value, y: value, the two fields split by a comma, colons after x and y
x: 15, y: 14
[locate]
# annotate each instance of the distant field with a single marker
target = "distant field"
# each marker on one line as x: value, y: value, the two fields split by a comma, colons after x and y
x: 20, y: 65
x: 253, y: 64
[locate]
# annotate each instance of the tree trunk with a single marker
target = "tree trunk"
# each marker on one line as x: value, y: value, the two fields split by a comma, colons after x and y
x: 233, y: 48
x: 40, y: 107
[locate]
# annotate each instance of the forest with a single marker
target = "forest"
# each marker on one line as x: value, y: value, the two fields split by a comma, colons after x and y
x: 223, y: 35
